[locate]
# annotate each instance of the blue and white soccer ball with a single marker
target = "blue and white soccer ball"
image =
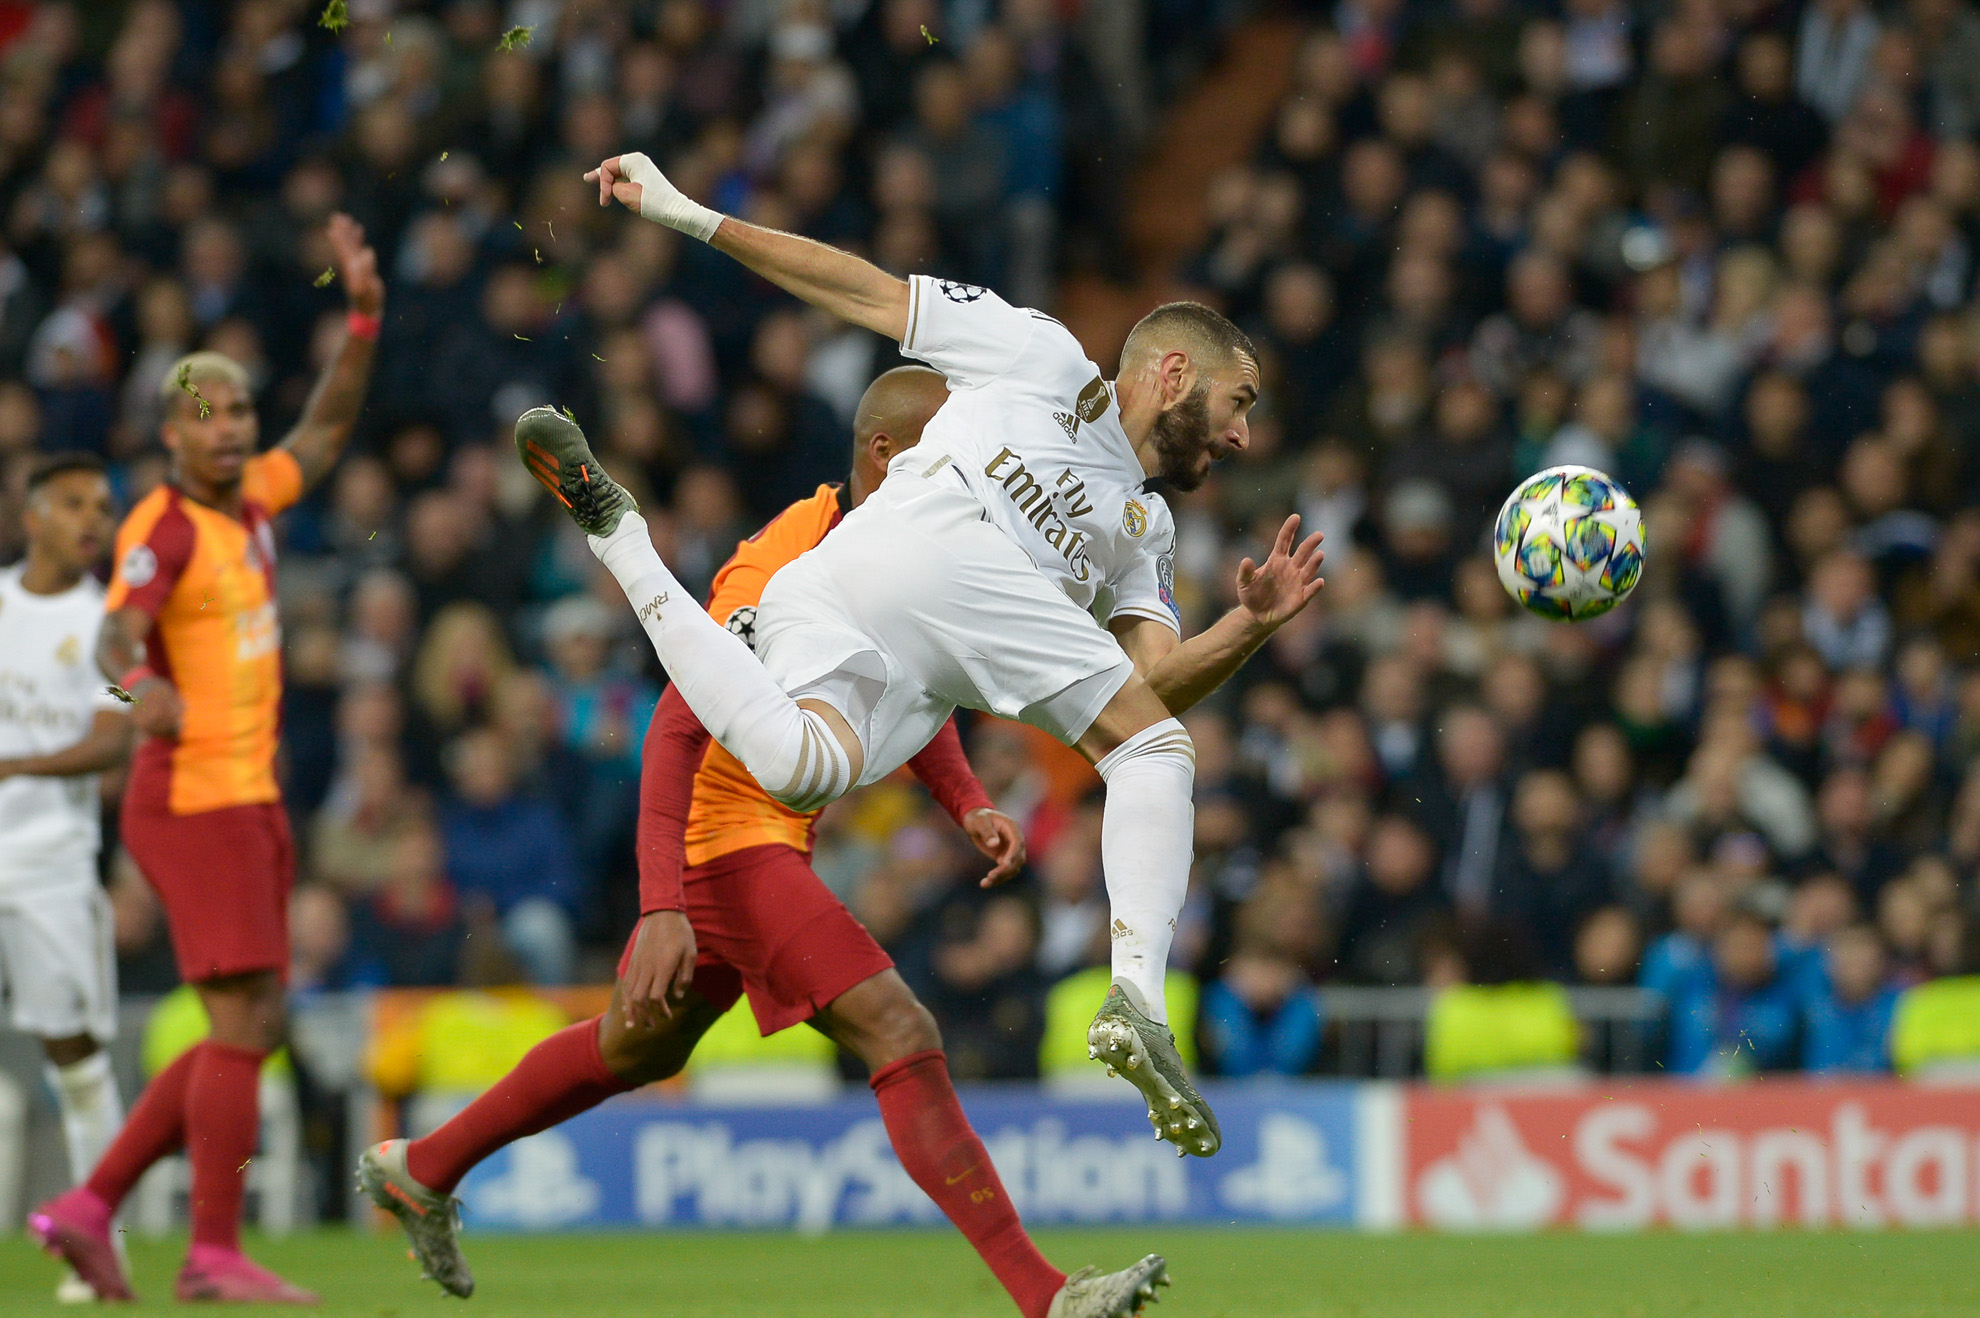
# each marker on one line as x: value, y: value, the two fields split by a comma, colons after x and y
x: 1569, y: 543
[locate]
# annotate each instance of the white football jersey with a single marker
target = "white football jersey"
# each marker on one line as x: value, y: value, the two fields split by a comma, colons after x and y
x: 50, y: 693
x: 1034, y: 431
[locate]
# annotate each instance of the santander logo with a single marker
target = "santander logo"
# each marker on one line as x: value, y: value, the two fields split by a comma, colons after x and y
x: 1492, y: 1182
x: 1670, y: 1154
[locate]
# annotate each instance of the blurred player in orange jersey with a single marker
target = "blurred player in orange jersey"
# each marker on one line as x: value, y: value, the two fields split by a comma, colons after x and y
x: 731, y: 906
x: 191, y: 633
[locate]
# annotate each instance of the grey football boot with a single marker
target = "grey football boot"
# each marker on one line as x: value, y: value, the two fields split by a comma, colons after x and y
x: 1110, y: 1295
x: 1134, y: 1046
x: 553, y: 448
x: 432, y: 1220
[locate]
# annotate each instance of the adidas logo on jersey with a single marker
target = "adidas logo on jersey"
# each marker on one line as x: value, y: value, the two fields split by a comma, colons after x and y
x: 1068, y: 423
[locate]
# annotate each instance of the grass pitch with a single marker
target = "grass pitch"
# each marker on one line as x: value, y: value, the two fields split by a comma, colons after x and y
x: 932, y: 1274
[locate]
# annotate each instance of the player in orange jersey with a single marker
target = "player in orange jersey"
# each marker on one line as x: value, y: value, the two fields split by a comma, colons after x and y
x: 732, y: 907
x: 191, y: 633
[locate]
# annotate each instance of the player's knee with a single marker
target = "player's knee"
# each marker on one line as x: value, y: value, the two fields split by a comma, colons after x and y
x: 812, y: 769
x: 246, y: 1011
x: 644, y: 1059
x: 1134, y: 711
x: 1166, y: 742
x: 69, y: 1050
x: 900, y: 1027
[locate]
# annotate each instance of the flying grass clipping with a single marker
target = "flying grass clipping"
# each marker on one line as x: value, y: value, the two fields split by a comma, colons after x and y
x: 185, y: 382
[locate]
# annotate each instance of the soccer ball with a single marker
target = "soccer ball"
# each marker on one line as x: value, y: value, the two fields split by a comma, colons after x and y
x: 1569, y: 543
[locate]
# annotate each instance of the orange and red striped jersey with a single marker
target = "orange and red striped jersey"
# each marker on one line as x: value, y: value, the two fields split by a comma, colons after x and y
x: 697, y: 803
x: 731, y: 810
x: 208, y: 583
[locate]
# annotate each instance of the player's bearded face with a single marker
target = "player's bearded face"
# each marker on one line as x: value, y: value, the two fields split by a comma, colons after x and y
x: 1184, y: 444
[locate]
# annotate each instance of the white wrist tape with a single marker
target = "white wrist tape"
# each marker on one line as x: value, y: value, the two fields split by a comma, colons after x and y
x: 663, y: 203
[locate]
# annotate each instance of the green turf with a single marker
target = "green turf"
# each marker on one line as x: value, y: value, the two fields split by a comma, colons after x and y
x: 931, y: 1274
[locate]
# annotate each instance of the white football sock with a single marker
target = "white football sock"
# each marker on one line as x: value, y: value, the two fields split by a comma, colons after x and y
x: 92, y: 1110
x: 1146, y: 833
x: 792, y: 752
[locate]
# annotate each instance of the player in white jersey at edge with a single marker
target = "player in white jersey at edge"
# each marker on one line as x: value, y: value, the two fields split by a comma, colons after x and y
x: 1012, y: 563
x: 59, y: 728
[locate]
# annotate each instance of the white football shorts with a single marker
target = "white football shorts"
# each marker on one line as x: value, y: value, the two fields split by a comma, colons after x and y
x: 58, y: 959
x: 915, y: 605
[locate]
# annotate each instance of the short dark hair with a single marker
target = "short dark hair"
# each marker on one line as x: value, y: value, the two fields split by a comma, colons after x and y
x: 61, y: 464
x: 1203, y: 330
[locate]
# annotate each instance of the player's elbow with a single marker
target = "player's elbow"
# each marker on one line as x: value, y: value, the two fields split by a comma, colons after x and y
x: 113, y: 651
x: 887, y: 306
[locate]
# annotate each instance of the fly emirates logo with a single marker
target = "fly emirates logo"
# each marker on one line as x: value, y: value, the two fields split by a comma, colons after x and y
x: 22, y: 704
x: 1034, y: 502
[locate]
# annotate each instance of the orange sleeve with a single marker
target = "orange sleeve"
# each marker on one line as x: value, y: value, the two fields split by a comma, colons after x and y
x: 273, y: 479
x: 154, y: 546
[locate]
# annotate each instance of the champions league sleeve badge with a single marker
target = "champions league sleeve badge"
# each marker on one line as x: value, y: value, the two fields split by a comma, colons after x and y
x: 742, y: 625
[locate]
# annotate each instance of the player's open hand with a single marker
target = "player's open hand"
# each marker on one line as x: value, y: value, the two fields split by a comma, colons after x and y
x: 1275, y: 592
x: 997, y: 836
x: 357, y: 265
x: 158, y: 708
x: 659, y: 970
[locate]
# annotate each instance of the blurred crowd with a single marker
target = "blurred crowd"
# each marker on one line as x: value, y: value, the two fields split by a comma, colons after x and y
x: 1722, y: 249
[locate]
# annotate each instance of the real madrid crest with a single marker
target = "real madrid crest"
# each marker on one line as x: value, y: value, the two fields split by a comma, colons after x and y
x: 69, y: 652
x: 1135, y: 518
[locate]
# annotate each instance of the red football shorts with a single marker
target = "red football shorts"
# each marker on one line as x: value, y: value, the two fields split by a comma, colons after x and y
x: 765, y: 925
x: 223, y: 877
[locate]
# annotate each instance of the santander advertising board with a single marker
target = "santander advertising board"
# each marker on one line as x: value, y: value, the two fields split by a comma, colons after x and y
x: 1624, y: 1157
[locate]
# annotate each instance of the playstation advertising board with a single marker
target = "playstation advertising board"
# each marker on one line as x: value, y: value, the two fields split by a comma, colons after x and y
x: 1289, y: 1157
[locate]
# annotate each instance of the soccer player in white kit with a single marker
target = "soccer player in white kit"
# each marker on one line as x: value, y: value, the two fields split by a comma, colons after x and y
x: 1012, y: 563
x: 59, y: 728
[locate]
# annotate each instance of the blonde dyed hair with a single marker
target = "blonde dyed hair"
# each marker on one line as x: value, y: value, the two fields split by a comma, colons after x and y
x: 199, y: 370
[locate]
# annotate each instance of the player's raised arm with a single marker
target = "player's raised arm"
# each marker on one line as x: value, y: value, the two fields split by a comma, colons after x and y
x: 327, y: 419
x: 855, y: 290
x: 1270, y: 594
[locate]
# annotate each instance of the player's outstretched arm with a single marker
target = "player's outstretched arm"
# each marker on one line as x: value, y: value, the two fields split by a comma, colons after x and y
x: 106, y: 746
x: 855, y: 290
x: 332, y: 411
x: 1270, y: 594
x: 944, y: 770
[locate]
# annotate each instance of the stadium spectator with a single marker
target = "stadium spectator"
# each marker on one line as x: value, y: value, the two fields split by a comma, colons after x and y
x: 1261, y: 1015
x: 512, y: 854
x: 1849, y: 1013
x: 1741, y: 1013
x: 1393, y: 906
x: 408, y: 933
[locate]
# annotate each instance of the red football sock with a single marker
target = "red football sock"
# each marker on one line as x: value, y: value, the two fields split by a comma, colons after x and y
x: 936, y: 1146
x: 223, y: 1125
x: 155, y: 1128
x: 559, y: 1078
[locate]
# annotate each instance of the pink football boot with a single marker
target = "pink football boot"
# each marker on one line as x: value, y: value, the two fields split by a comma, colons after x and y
x: 75, y: 1227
